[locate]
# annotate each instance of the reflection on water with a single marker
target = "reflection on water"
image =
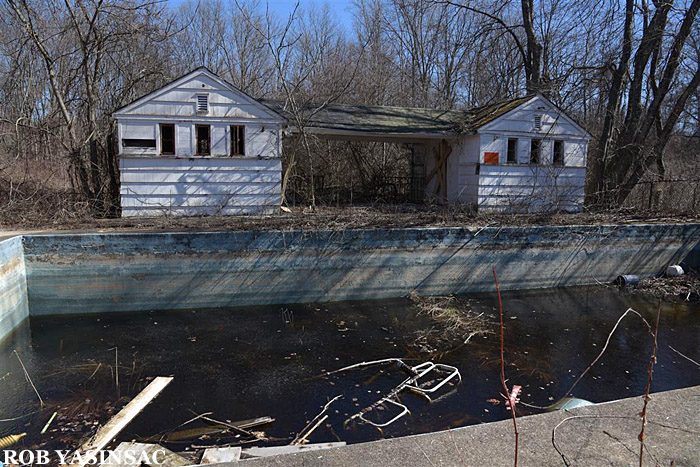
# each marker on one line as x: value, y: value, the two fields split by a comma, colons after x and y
x: 263, y: 361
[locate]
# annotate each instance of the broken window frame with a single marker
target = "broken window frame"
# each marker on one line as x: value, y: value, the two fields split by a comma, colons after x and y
x: 535, y: 151
x: 512, y: 151
x: 140, y: 143
x: 558, y: 155
x: 198, y: 149
x: 237, y: 140
x: 163, y: 139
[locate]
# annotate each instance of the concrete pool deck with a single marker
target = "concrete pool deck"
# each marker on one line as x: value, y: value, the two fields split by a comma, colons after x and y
x: 602, y: 434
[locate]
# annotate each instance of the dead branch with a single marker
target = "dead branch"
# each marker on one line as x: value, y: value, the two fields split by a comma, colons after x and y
x: 685, y: 356
x: 29, y: 379
x: 299, y: 439
x: 592, y: 364
x: 650, y: 377
x: 511, y: 399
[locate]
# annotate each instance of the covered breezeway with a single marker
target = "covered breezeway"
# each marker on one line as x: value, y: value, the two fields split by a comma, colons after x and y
x: 430, y: 136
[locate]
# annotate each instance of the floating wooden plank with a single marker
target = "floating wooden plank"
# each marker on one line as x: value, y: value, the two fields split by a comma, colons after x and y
x: 253, y: 422
x: 278, y: 450
x: 116, y: 424
x: 144, y: 454
x: 214, y: 428
x: 219, y: 455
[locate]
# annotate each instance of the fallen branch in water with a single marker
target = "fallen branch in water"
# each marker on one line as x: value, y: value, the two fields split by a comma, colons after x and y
x: 299, y: 439
x: 398, y: 361
x: 592, y: 364
x: 685, y: 356
x: 233, y: 427
x: 29, y: 379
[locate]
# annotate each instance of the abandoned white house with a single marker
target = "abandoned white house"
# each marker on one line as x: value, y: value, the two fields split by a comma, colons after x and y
x: 200, y: 146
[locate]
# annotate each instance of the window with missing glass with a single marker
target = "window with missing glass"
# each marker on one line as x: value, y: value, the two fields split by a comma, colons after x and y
x: 167, y: 139
x: 535, y: 151
x: 512, y: 151
x: 139, y: 143
x: 203, y: 139
x: 237, y: 140
x: 558, y: 154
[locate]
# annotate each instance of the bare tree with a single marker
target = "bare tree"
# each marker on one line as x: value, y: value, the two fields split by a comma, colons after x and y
x: 76, y: 41
x: 650, y: 82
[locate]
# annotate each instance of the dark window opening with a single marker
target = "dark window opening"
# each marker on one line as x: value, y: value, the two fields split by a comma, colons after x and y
x: 237, y: 140
x: 203, y: 140
x: 558, y: 157
x: 167, y: 139
x: 512, y: 150
x: 535, y: 151
x: 138, y: 143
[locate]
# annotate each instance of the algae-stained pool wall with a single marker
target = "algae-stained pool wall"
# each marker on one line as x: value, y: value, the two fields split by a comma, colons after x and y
x: 13, y: 286
x: 90, y: 273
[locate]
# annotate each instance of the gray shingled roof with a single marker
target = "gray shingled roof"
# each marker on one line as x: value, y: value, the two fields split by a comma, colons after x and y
x: 389, y: 120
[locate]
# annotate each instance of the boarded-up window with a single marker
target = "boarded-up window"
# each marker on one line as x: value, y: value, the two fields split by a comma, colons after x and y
x: 202, y: 103
x: 167, y: 138
x: 237, y: 140
x: 558, y: 156
x: 203, y: 140
x: 535, y: 151
x: 512, y: 150
x: 138, y: 143
x: 491, y: 158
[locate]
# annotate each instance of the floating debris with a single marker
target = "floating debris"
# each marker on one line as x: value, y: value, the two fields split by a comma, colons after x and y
x: 455, y: 324
x: 413, y: 383
x: 569, y: 403
x: 8, y: 441
x: 111, y: 429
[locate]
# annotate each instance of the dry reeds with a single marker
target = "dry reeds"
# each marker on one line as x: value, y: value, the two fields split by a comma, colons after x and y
x: 455, y: 324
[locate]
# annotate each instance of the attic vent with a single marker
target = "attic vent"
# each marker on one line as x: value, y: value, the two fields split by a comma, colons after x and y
x: 538, y: 122
x: 202, y: 103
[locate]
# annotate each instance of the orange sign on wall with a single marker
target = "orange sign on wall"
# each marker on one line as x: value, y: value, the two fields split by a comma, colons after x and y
x: 491, y: 158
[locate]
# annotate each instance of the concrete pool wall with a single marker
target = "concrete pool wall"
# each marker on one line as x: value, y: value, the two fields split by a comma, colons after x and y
x: 95, y: 273
x: 13, y: 285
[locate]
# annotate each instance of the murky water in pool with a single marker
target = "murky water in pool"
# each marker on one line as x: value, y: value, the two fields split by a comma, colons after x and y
x: 262, y: 361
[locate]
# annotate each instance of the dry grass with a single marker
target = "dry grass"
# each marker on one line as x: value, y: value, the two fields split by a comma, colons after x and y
x: 685, y: 287
x: 35, y: 194
x: 46, y: 209
x: 454, y: 323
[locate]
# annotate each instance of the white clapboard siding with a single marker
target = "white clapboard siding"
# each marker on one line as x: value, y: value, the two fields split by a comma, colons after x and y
x: 555, y: 123
x: 531, y: 187
x: 262, y: 188
x: 180, y: 101
x: 199, y: 186
x: 176, y: 200
x: 521, y: 186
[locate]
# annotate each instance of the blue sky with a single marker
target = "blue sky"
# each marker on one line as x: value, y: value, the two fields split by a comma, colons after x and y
x: 341, y: 9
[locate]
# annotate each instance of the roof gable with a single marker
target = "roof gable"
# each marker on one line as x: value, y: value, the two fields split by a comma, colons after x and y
x: 517, y: 115
x: 177, y: 99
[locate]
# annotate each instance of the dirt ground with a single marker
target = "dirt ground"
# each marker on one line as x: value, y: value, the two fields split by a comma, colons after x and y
x: 331, y: 218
